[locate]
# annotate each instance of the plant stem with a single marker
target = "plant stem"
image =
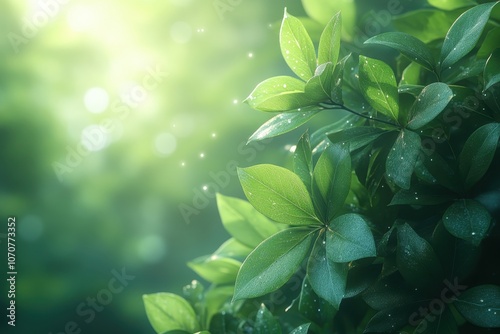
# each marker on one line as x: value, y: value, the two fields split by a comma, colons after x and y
x: 341, y: 106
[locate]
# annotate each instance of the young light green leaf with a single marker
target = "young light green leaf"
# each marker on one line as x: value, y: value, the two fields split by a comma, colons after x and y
x: 489, y: 44
x: 451, y: 4
x: 464, y: 33
x: 338, y: 81
x: 480, y: 305
x: 332, y: 180
x: 491, y: 73
x: 285, y: 122
x: 319, y: 87
x: 215, y: 298
x: 402, y: 158
x: 411, y: 47
x: 328, y: 278
x: 302, y: 329
x: 416, y: 260
x: 243, y: 222
x: 297, y: 47
x: 478, y: 152
x: 168, y: 312
x: 349, y: 238
x: 215, y: 269
x: 378, y: 85
x: 329, y: 42
x: 265, y: 323
x: 278, y: 193
x: 322, y: 12
x: 280, y: 93
x: 233, y: 248
x: 467, y: 219
x: 429, y: 104
x: 272, y: 263
x: 302, y: 160
x: 357, y: 137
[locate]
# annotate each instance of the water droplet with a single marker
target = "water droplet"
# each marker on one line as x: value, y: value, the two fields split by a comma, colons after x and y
x: 250, y: 55
x: 473, y: 233
x: 284, y: 85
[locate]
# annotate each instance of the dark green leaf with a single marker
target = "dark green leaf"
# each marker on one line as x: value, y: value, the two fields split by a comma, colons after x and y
x: 297, y: 47
x: 492, y: 70
x: 327, y: 278
x: 378, y: 85
x: 302, y: 160
x: 349, y: 238
x: 411, y: 47
x: 402, y: 158
x: 389, y: 321
x: 285, y: 122
x: 302, y: 329
x: 443, y: 322
x: 451, y: 4
x: 360, y: 278
x: 310, y: 303
x: 168, y: 312
x: 480, y: 305
x: 278, y: 193
x: 319, y: 87
x: 332, y: 179
x: 478, y: 152
x: 265, y: 323
x: 464, y: 34
x: 215, y: 269
x: 417, y: 261
x: 357, y: 137
x: 468, y: 67
x: 243, y: 222
x: 329, y: 43
x: 420, y: 195
x: 489, y: 44
x: 389, y: 292
x: 467, y: 219
x: 429, y: 104
x: 272, y: 263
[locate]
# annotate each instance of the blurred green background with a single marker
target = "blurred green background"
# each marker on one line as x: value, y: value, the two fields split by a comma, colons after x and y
x: 114, y: 117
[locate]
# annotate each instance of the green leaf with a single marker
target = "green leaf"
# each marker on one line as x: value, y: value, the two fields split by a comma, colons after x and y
x: 329, y: 42
x: 417, y: 261
x: 492, y: 70
x: 310, y: 303
x: 265, y: 323
x: 402, y: 158
x: 302, y: 329
x: 278, y: 193
x: 429, y: 104
x: 451, y: 4
x: 243, y: 222
x: 480, y: 305
x: 297, y: 47
x: 464, y: 33
x: 389, y: 292
x: 338, y: 81
x: 215, y: 269
x: 390, y: 320
x: 285, y: 122
x: 319, y: 87
x: 478, y: 152
x: 443, y: 323
x: 272, y: 263
x: 302, y: 160
x: 349, y: 238
x: 360, y: 278
x: 322, y: 11
x: 411, y: 75
x: 421, y: 195
x: 280, y: 93
x: 215, y: 299
x: 332, y: 179
x: 328, y: 279
x: 378, y: 85
x: 467, y: 219
x: 489, y: 44
x: 233, y: 248
x: 411, y: 47
x: 357, y: 137
x: 168, y: 312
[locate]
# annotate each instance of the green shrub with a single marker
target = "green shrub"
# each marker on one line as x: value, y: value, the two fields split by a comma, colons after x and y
x: 388, y: 221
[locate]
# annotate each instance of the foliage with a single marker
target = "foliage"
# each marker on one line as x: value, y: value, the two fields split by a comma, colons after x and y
x: 388, y: 221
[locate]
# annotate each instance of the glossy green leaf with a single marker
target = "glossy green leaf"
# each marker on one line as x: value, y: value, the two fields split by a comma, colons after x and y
x: 467, y: 67
x: 467, y: 219
x: 492, y: 70
x: 338, y: 81
x: 302, y: 160
x: 414, y: 90
x: 319, y: 87
x: 402, y: 158
x: 329, y: 42
x: 328, y: 278
x: 332, y: 180
x: 480, y: 305
x: 296, y: 47
x: 265, y: 322
x: 478, y: 152
x: 411, y: 47
x: 451, y: 4
x: 378, y: 85
x: 417, y: 262
x: 285, y: 122
x: 233, y: 248
x: 278, y: 193
x: 243, y: 222
x: 168, y: 312
x: 215, y: 269
x: 464, y: 33
x: 411, y: 75
x: 272, y: 263
x: 280, y: 93
x: 302, y: 329
x: 357, y: 137
x: 349, y: 238
x: 429, y: 104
